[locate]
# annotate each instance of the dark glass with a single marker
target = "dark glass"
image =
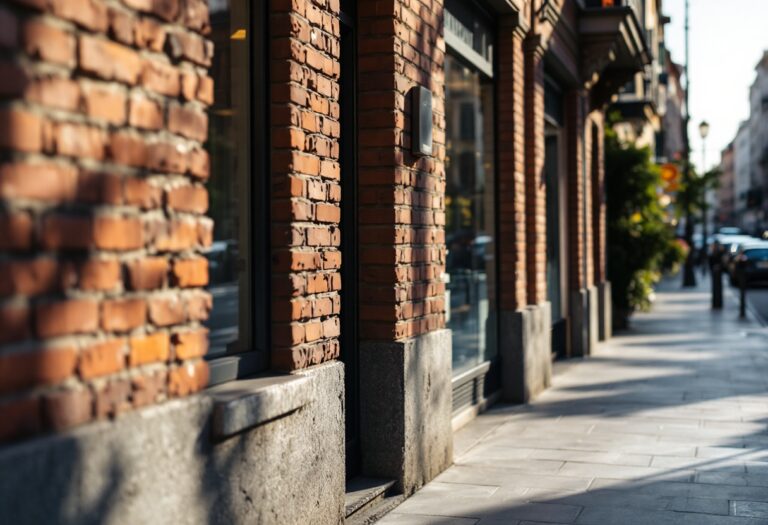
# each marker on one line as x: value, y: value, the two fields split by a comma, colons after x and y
x: 469, y: 203
x: 229, y: 187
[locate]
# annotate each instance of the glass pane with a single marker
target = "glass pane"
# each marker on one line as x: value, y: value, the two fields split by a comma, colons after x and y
x: 229, y: 185
x: 470, y: 222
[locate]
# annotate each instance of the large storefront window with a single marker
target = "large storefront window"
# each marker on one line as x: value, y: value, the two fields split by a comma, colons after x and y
x: 470, y: 233
x: 230, y: 186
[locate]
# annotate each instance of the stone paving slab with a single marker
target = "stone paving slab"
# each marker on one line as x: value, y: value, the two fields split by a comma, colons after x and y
x: 667, y: 424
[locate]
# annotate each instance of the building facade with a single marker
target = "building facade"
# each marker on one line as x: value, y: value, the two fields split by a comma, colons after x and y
x: 642, y: 102
x: 726, y: 191
x: 758, y: 137
x: 255, y: 251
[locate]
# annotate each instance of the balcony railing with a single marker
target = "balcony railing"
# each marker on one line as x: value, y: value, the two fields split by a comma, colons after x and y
x: 636, y: 5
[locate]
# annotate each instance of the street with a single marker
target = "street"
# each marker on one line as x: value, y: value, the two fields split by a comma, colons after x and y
x: 666, y: 424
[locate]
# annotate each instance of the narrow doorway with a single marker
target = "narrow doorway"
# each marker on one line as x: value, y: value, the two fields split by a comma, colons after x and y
x: 349, y: 236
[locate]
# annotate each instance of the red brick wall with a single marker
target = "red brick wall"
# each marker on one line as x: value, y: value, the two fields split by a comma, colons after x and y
x: 511, y: 169
x: 402, y: 212
x: 102, y: 197
x: 574, y: 130
x: 535, y: 187
x: 306, y: 192
x: 598, y: 200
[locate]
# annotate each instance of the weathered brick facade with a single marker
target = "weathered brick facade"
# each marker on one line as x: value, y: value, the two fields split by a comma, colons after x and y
x: 105, y: 237
x: 305, y: 175
x: 103, y: 208
x: 402, y: 215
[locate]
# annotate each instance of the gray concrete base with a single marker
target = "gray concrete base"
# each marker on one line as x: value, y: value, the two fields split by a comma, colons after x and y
x: 405, y: 409
x: 161, y: 465
x: 584, y: 321
x: 604, y: 311
x: 526, y: 352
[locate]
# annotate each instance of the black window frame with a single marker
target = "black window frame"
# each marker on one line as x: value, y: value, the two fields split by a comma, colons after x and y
x: 253, y: 355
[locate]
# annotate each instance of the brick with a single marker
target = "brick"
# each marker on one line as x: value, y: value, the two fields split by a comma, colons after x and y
x: 99, y: 275
x: 106, y: 104
x: 54, y: 92
x: 17, y: 231
x: 121, y: 24
x: 175, y: 235
x: 149, y: 349
x: 199, y: 164
x: 97, y: 187
x: 128, y: 149
x: 76, y: 140
x: 139, y: 192
x: 149, y: 34
x: 67, y: 408
x: 193, y: 199
x: 48, y: 43
x: 168, y: 10
x: 20, y: 130
x: 199, y: 306
x: 190, y: 46
x: 66, y: 232
x: 29, y: 277
x: 189, y: 345
x: 102, y: 359
x: 190, y: 272
x: 167, y: 310
x: 112, y: 398
x: 122, y: 315
x: 36, y: 367
x: 195, y: 15
x: 187, y: 379
x: 109, y: 60
x: 188, y: 122
x: 118, y: 233
x: 205, y: 90
x: 47, y: 182
x: 149, y: 273
x: 19, y: 418
x: 90, y: 14
x: 166, y: 157
x: 14, y: 323
x: 147, y: 388
x: 161, y: 78
x: 145, y: 113
x: 73, y: 316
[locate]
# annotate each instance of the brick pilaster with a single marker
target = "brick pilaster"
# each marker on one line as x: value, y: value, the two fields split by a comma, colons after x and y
x: 401, y: 196
x: 535, y: 187
x: 305, y: 183
x: 511, y: 170
x: 574, y: 130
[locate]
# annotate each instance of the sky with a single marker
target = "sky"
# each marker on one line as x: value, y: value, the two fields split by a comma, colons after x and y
x: 727, y: 39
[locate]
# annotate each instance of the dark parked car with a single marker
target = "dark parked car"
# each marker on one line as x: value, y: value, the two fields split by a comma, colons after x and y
x: 752, y: 259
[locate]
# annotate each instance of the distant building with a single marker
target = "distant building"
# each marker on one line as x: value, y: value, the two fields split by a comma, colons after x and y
x: 672, y: 129
x: 726, y: 191
x: 642, y: 101
x: 758, y: 137
x: 745, y: 217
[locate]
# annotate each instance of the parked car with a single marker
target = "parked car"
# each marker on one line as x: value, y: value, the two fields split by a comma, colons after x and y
x: 752, y: 259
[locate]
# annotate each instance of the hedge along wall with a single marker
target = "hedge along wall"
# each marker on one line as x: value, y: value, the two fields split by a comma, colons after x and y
x: 102, y: 203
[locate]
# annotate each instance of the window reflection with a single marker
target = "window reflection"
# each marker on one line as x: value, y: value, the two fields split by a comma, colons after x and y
x: 229, y: 185
x: 470, y: 214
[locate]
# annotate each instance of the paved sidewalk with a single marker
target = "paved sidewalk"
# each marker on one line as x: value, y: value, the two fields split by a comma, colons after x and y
x: 666, y: 424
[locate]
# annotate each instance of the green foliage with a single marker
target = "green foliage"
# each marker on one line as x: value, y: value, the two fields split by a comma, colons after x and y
x: 641, y: 246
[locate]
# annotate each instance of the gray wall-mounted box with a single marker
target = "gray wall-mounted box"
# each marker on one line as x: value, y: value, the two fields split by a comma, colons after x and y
x: 421, y: 121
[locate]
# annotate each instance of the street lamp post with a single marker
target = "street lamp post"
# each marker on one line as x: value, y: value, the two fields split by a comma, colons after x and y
x: 703, y: 132
x: 689, y: 275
